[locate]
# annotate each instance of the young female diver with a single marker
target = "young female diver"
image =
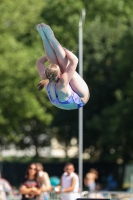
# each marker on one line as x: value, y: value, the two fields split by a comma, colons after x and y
x: 65, y: 87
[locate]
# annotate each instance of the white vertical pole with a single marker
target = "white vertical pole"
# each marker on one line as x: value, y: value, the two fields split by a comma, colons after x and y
x: 81, y: 21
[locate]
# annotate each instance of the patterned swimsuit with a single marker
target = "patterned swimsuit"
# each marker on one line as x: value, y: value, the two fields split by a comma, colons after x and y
x: 74, y: 98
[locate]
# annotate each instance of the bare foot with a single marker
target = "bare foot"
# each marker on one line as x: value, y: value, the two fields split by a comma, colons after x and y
x: 48, y: 31
x: 39, y: 28
x: 42, y: 24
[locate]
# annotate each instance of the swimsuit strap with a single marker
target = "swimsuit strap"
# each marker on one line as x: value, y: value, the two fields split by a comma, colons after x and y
x: 55, y: 91
x: 48, y: 89
x: 74, y: 98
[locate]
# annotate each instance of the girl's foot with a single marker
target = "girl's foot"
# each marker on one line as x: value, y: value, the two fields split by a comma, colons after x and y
x: 48, y: 31
x: 40, y: 30
x: 38, y: 26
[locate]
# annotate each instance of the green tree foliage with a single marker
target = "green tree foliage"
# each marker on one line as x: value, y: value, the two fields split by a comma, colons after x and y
x: 21, y: 103
x: 108, y: 56
x: 25, y: 111
x: 108, y: 71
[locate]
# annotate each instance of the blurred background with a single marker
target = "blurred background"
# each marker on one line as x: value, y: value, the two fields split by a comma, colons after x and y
x: 31, y: 128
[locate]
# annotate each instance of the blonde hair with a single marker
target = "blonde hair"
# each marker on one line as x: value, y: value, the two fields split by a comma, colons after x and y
x: 51, y: 74
x: 39, y: 165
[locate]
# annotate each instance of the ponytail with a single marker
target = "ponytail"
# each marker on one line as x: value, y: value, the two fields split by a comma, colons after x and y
x: 51, y: 74
x: 42, y: 84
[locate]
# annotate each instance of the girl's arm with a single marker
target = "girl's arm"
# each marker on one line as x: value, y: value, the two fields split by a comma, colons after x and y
x: 36, y: 191
x: 24, y: 190
x: 86, y: 181
x: 69, y: 72
x: 70, y: 55
x: 71, y: 188
x: 40, y: 66
x: 45, y: 179
x: 32, y: 190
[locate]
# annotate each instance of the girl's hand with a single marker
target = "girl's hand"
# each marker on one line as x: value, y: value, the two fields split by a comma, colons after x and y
x: 70, y: 55
x: 40, y: 85
x: 34, y: 189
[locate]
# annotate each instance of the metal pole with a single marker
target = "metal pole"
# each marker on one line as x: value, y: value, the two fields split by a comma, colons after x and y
x: 80, y: 164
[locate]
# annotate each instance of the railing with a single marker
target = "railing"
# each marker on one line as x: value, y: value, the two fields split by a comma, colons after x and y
x: 100, y: 195
x: 84, y: 195
x: 110, y: 195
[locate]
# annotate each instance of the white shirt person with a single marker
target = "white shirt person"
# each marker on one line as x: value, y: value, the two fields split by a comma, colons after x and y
x: 69, y: 187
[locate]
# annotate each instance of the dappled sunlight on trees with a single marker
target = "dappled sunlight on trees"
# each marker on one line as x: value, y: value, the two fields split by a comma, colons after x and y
x: 108, y: 71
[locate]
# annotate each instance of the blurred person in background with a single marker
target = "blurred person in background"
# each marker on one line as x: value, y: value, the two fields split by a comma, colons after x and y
x: 5, y: 189
x: 16, y: 193
x: 90, y: 179
x: 45, y: 181
x: 31, y: 188
x: 69, y: 186
x: 111, y: 183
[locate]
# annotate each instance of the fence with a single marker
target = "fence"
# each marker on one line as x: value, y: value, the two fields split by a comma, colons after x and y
x: 110, y: 195
x: 100, y: 195
x: 85, y: 195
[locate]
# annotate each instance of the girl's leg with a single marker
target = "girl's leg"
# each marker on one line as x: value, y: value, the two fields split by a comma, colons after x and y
x: 77, y: 83
x: 58, y: 49
x: 47, y: 46
x: 80, y: 87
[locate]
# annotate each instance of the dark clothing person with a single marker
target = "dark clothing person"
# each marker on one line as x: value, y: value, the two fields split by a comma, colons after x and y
x: 30, y: 184
x: 30, y: 188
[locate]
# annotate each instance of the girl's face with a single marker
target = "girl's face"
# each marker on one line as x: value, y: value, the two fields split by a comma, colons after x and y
x: 32, y: 170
